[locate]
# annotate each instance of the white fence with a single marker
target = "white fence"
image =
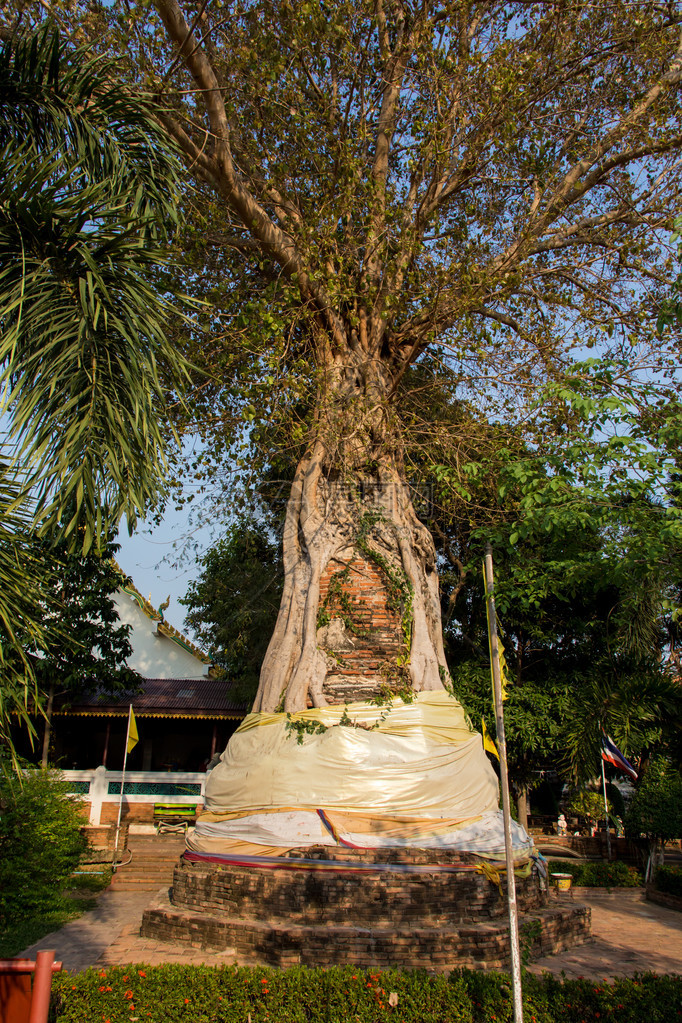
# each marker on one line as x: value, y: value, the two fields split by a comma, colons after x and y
x: 98, y: 786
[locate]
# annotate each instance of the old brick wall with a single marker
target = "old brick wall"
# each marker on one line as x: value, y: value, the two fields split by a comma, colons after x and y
x: 418, y: 919
x: 429, y: 921
x: 362, y: 596
x: 309, y: 897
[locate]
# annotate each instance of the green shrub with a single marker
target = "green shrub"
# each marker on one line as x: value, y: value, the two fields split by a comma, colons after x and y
x: 40, y: 843
x: 586, y: 803
x: 668, y: 879
x: 598, y: 874
x: 655, y: 809
x: 616, y: 801
x: 204, y: 994
x: 82, y: 882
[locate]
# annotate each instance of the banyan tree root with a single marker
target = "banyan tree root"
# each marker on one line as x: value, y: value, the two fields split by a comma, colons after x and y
x: 329, y: 522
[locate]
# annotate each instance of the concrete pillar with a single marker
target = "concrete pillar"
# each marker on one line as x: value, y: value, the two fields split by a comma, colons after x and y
x: 98, y: 793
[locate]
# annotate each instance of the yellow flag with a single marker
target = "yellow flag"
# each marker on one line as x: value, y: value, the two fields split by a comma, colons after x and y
x: 132, y: 732
x: 487, y: 741
x: 504, y: 678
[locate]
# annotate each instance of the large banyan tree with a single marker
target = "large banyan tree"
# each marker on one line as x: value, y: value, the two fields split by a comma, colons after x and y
x: 487, y: 177
x: 379, y: 180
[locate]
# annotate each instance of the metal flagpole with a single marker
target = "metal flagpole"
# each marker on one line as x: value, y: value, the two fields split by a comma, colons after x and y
x: 606, y: 808
x: 123, y: 778
x: 504, y: 782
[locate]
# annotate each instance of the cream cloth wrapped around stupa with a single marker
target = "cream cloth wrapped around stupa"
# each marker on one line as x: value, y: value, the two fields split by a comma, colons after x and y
x: 410, y: 774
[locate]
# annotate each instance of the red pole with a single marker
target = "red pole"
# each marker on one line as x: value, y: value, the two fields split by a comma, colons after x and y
x: 42, y: 984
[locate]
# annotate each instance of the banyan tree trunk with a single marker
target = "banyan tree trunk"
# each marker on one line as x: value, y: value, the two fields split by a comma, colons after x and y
x: 360, y: 612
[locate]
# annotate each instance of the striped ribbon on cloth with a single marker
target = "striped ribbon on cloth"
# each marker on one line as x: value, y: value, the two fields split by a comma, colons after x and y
x: 491, y: 870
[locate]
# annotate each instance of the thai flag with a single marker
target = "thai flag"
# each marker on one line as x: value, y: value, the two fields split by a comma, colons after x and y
x: 612, y: 755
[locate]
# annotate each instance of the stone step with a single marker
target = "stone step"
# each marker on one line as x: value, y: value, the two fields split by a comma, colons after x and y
x: 165, y: 871
x: 144, y: 881
x: 149, y: 866
x: 149, y: 862
x: 142, y: 885
x: 172, y: 856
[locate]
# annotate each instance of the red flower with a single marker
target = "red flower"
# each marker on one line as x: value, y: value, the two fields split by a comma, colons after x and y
x: 186, y: 1001
x: 128, y: 994
x: 141, y: 973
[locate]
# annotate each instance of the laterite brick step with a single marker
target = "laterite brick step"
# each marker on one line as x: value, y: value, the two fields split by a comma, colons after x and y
x: 436, y: 949
x: 426, y: 897
x: 370, y: 908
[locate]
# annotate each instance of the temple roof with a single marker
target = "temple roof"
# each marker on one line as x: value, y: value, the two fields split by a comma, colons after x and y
x: 163, y: 697
x: 163, y: 628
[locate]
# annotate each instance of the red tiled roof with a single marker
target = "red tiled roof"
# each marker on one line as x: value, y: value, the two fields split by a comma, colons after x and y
x: 164, y: 697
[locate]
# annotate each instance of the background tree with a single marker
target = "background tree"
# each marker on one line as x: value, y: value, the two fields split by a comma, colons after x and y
x: 655, y: 811
x: 587, y: 540
x: 233, y: 604
x: 87, y: 646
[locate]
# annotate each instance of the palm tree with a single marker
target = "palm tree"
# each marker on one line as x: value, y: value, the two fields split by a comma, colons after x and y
x: 88, y: 188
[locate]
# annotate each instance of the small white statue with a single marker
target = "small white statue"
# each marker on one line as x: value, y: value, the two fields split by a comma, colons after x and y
x: 561, y: 825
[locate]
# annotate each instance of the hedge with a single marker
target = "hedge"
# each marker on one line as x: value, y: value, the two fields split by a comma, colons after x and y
x: 669, y: 880
x: 204, y: 994
x: 598, y: 874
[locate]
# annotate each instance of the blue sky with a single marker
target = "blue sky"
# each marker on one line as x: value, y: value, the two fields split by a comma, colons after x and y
x: 151, y: 558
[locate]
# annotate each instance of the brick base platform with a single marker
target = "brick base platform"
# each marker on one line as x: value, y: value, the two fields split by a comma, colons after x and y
x: 424, y: 919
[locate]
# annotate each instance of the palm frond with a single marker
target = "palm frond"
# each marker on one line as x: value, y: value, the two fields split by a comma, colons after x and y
x: 21, y: 627
x: 86, y: 192
x: 71, y: 103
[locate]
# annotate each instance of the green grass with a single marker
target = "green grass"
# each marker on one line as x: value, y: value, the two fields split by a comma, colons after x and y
x: 73, y: 903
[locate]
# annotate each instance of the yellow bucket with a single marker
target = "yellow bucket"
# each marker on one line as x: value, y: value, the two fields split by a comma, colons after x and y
x: 562, y: 882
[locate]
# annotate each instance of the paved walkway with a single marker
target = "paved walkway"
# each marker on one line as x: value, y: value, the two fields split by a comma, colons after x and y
x: 630, y: 936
